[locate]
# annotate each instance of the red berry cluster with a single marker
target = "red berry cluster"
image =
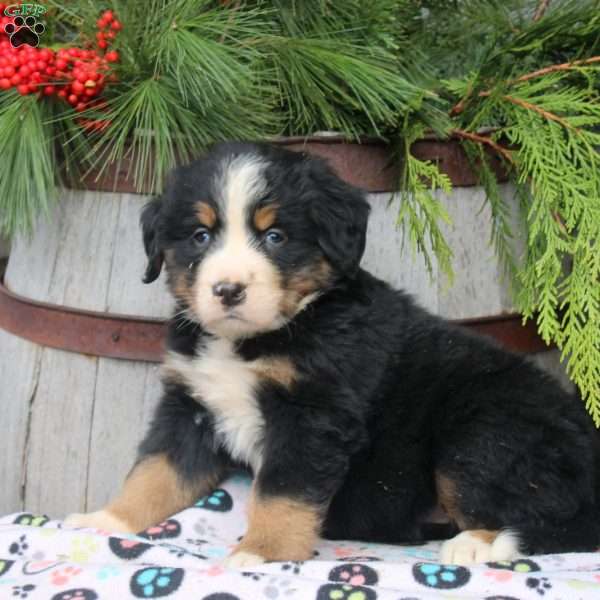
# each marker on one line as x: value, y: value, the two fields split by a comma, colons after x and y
x: 108, y: 26
x: 75, y: 75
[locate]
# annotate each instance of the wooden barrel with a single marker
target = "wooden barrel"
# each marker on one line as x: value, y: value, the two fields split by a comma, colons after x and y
x: 71, y: 421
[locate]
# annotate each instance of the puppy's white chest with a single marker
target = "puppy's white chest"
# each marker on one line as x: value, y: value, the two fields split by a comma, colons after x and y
x: 226, y: 385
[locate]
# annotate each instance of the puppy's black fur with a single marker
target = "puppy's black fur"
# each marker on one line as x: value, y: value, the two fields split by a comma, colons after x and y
x: 387, y: 396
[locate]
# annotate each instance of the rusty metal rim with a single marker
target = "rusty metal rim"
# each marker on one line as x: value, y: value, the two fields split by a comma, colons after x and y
x: 137, y: 338
x: 366, y: 163
x: 82, y: 331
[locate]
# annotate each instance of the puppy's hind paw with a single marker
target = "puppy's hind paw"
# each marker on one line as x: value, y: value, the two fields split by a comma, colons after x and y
x: 241, y: 559
x: 479, y: 546
x: 101, y: 519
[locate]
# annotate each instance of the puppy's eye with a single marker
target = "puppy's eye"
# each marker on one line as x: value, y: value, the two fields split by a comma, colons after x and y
x: 201, y: 236
x: 274, y: 237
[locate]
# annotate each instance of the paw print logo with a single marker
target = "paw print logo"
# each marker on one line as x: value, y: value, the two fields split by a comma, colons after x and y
x: 540, y: 584
x: 24, y: 31
x: 22, y: 591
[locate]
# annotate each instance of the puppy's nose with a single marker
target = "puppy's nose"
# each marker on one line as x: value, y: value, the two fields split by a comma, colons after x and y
x: 231, y: 294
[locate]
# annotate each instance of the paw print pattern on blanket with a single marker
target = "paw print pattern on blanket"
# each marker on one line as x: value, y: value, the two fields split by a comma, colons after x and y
x: 5, y: 566
x: 540, y: 584
x: 354, y: 574
x: 31, y: 520
x: 165, y: 530
x: 155, y: 582
x: 82, y: 548
x: 278, y: 587
x: 63, y: 576
x: 521, y: 565
x: 333, y: 591
x: 20, y: 546
x: 76, y: 594
x: 443, y: 577
x: 219, y: 501
x: 127, y: 549
x: 22, y: 591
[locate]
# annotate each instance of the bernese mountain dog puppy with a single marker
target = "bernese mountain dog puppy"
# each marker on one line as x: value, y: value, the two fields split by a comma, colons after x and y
x: 356, y: 410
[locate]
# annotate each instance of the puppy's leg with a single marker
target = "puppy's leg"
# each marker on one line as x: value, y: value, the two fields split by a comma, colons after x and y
x: 179, y: 461
x: 279, y: 528
x: 152, y: 492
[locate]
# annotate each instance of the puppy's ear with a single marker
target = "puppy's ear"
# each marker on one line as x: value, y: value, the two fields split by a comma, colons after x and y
x: 340, y: 213
x: 149, y: 221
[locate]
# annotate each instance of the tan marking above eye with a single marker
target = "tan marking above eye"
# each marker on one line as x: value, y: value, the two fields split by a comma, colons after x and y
x: 206, y: 214
x: 265, y: 216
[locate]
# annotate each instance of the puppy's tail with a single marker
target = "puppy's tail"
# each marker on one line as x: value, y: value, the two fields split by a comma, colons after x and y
x: 579, y: 534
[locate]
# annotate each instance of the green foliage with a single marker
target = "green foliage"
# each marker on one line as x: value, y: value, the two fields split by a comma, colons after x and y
x: 420, y: 211
x: 551, y: 123
x: 193, y: 72
x: 28, y: 165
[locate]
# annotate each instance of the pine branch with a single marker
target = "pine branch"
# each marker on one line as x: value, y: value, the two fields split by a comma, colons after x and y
x: 542, y: 7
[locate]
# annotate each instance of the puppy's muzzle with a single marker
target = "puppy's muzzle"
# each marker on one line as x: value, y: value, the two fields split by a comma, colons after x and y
x: 231, y: 294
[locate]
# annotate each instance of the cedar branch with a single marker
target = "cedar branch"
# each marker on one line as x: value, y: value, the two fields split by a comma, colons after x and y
x: 484, y: 140
x: 544, y: 113
x: 554, y: 68
x: 460, y: 105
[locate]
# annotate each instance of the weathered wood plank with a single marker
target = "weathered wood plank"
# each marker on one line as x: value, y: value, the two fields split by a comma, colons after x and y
x: 58, y: 449
x: 478, y: 289
x: 126, y: 394
x: 19, y: 374
x: 387, y: 257
x: 126, y: 294
x: 86, y: 249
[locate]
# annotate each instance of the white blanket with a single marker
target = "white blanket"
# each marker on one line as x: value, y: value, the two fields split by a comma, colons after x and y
x: 181, y: 558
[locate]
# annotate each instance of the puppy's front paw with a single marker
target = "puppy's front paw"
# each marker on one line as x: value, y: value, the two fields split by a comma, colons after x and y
x: 101, y: 519
x: 479, y: 546
x: 241, y: 559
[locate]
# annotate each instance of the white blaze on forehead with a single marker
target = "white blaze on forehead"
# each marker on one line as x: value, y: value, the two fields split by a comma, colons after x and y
x: 241, y: 183
x: 236, y: 258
